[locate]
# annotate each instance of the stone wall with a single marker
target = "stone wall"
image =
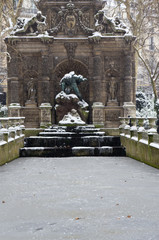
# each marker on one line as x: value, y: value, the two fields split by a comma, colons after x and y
x: 109, y: 74
x: 11, y: 138
x: 140, y: 143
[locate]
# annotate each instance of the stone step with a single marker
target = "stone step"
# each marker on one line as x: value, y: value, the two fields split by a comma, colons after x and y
x: 76, y: 130
x: 56, y: 141
x: 75, y: 151
x: 70, y: 134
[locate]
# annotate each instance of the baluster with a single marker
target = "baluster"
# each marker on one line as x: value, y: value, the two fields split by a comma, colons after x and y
x: 152, y: 125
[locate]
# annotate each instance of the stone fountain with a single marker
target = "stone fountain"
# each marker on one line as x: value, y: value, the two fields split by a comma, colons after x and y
x: 72, y: 137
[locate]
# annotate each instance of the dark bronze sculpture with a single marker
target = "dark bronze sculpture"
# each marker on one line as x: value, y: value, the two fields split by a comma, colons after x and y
x: 70, y: 83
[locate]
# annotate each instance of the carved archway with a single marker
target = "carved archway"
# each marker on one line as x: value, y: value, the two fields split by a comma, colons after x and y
x: 66, y: 67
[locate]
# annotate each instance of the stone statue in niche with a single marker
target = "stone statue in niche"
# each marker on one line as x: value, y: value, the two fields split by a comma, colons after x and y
x: 112, y: 75
x: 34, y: 26
x: 31, y: 91
x: 70, y: 83
x: 113, y: 88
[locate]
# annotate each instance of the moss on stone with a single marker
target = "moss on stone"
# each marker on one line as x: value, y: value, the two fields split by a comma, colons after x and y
x: 33, y: 131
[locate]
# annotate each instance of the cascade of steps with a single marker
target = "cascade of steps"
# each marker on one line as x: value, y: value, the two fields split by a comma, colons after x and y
x: 79, y: 141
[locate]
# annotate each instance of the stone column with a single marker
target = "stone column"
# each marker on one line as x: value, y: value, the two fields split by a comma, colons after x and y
x: 13, y: 99
x: 97, y: 77
x: 134, y: 78
x: 129, y: 107
x: 128, y: 78
x: 14, y: 110
x: 45, y: 115
x: 44, y: 90
x: 98, y: 114
x: 13, y: 90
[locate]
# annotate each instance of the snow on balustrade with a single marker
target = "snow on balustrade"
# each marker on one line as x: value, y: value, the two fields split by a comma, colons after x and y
x: 140, y: 138
x: 11, y: 138
x: 139, y: 129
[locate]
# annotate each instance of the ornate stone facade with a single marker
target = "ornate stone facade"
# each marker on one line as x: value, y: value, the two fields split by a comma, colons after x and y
x: 70, y: 42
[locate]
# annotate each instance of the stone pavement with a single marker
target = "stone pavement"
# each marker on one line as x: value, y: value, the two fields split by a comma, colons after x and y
x: 86, y: 198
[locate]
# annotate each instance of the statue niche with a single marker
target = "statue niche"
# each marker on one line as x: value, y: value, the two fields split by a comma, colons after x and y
x: 112, y: 84
x: 31, y: 93
x: 112, y: 89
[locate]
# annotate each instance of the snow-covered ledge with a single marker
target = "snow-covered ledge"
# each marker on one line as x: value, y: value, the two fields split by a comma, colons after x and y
x: 11, y: 138
x: 140, y: 138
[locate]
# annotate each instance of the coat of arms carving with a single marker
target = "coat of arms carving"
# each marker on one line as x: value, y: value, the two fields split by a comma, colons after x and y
x: 70, y: 21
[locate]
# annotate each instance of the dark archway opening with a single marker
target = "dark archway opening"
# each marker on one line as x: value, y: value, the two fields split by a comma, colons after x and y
x: 66, y: 67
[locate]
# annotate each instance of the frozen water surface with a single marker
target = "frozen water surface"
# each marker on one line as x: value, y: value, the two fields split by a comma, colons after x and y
x: 86, y: 198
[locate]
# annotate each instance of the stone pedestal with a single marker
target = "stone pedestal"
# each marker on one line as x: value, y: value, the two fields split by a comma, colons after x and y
x: 98, y: 114
x: 112, y: 114
x: 45, y: 114
x: 112, y: 103
x: 30, y: 104
x: 66, y: 102
x: 32, y: 116
x: 14, y: 110
x: 129, y: 109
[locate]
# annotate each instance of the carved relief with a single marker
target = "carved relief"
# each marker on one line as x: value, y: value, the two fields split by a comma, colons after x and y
x: 112, y: 115
x: 86, y: 19
x: 70, y: 48
x: 112, y: 64
x: 30, y: 63
x: 53, y: 19
x: 71, y: 20
x: 112, y: 72
x: 98, y: 115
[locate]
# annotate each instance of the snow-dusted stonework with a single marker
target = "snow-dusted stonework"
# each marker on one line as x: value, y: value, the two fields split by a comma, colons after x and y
x: 69, y: 108
x: 72, y: 119
x: 71, y: 36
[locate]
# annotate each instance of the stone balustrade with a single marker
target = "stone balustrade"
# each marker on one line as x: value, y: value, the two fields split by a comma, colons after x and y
x: 140, y: 138
x: 11, y: 138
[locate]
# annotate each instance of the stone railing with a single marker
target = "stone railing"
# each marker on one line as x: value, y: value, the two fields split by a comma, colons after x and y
x: 11, y: 138
x: 139, y: 137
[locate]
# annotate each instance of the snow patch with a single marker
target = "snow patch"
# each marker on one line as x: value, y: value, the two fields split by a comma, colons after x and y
x: 155, y: 145
x: 72, y: 118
